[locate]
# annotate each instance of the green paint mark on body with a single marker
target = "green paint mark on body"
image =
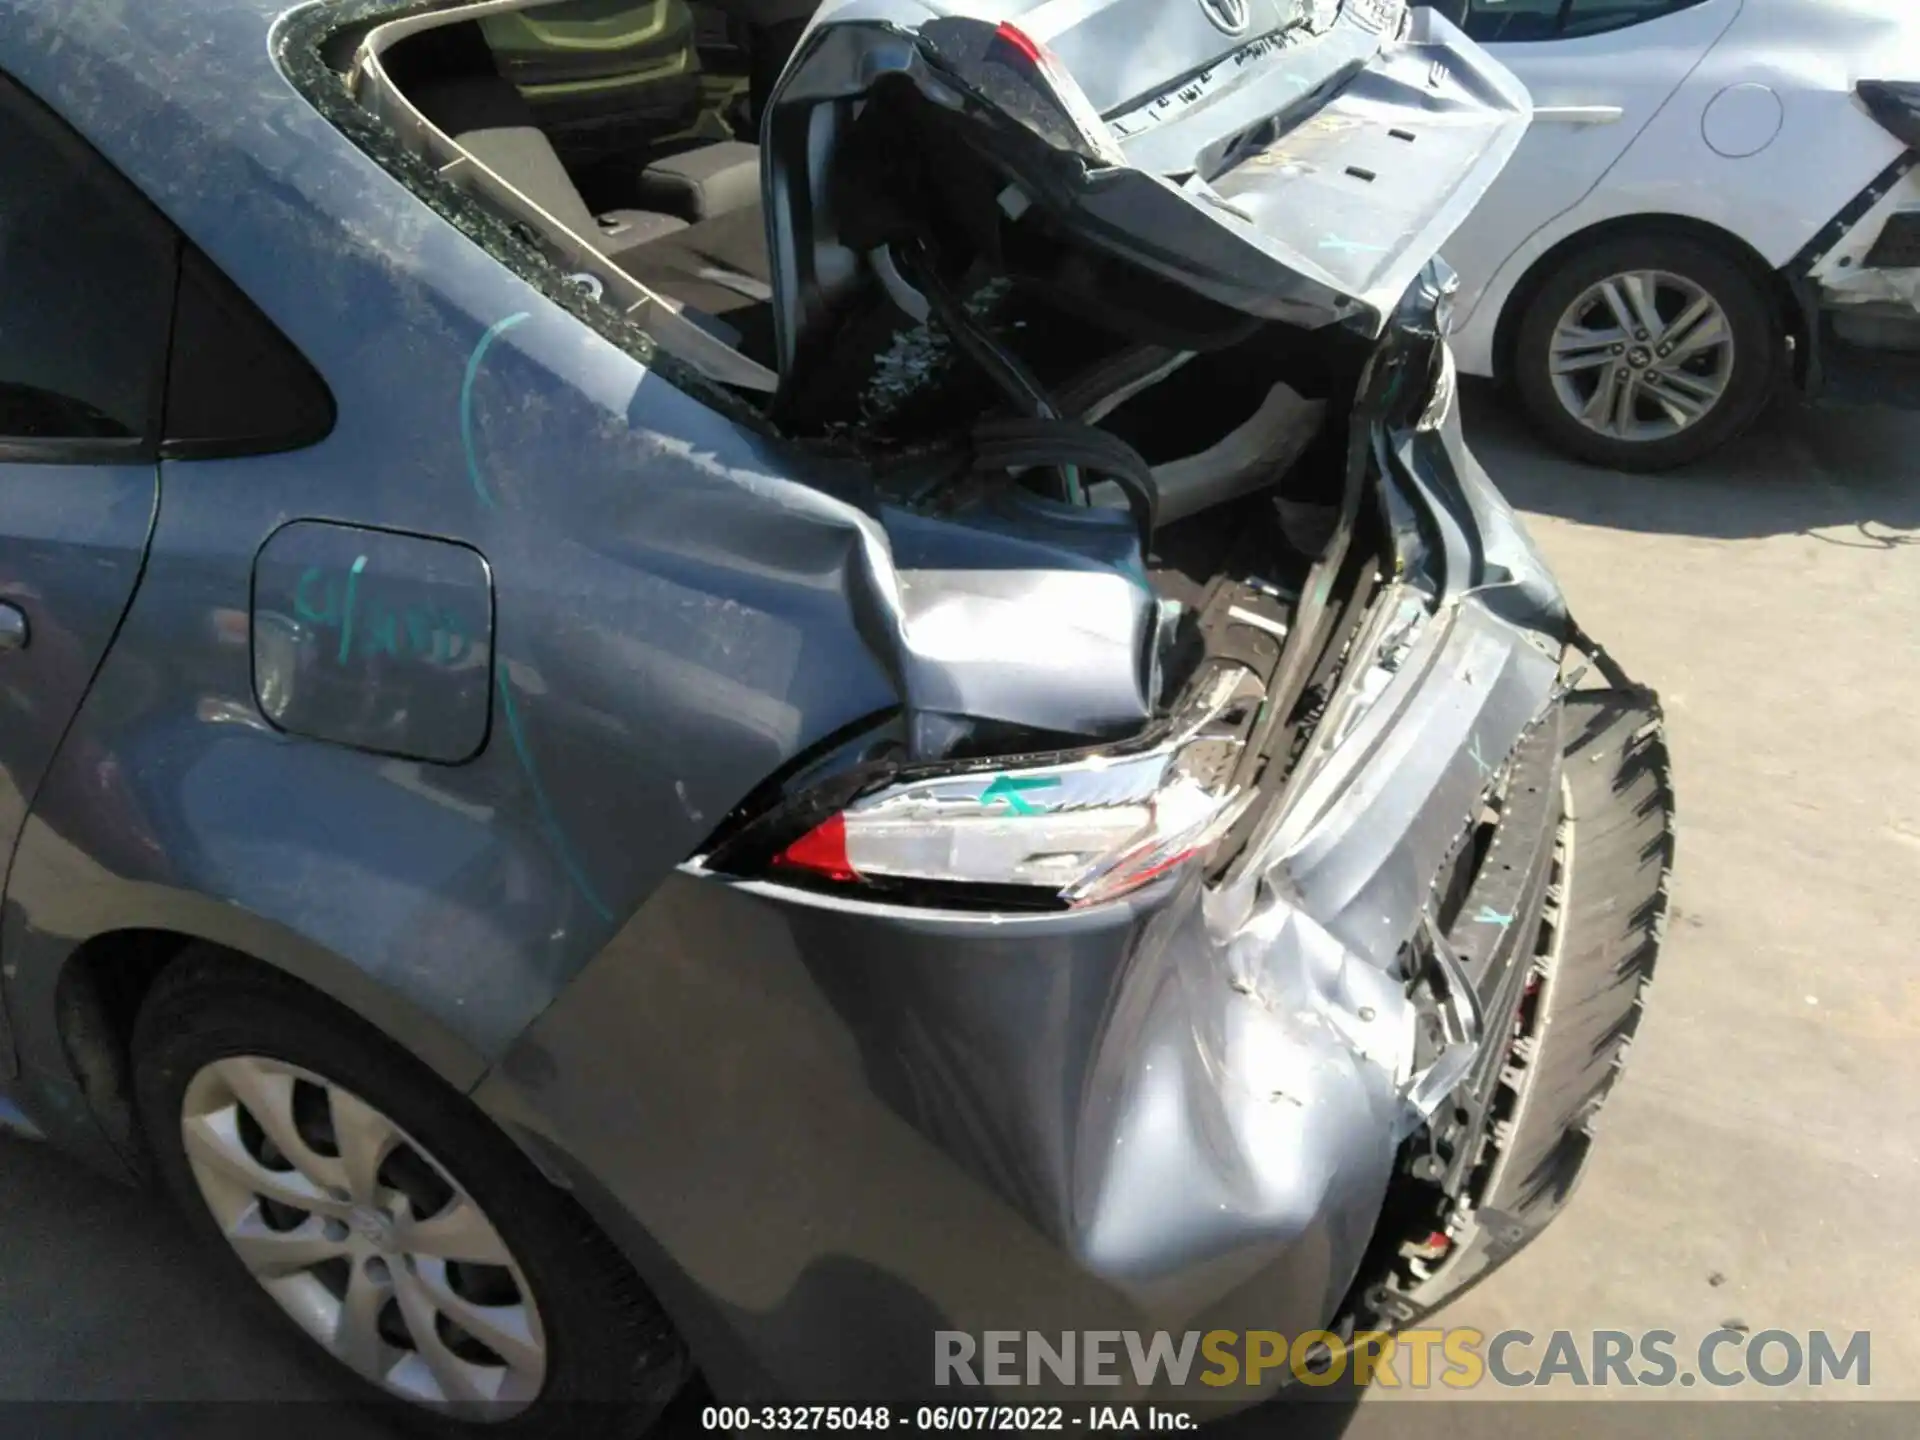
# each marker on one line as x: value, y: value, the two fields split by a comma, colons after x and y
x: 370, y: 624
x: 1014, y: 789
x: 325, y: 613
x: 346, y: 619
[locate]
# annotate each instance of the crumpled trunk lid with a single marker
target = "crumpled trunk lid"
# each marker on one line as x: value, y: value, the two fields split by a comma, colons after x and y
x: 1295, y: 160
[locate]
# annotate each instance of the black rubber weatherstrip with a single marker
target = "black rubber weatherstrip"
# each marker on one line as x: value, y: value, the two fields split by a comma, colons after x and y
x: 1021, y: 444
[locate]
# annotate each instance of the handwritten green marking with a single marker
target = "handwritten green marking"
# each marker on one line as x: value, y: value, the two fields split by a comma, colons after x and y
x: 494, y: 332
x: 304, y: 607
x: 346, y: 619
x: 420, y: 632
x: 1490, y: 916
x: 385, y: 635
x: 370, y: 625
x: 1012, y: 789
x: 549, y: 820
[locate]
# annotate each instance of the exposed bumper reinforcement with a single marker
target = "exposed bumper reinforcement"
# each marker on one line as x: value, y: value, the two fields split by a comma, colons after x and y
x: 1601, y: 924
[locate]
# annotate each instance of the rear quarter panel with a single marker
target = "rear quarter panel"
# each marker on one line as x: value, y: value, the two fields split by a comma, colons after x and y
x: 672, y: 614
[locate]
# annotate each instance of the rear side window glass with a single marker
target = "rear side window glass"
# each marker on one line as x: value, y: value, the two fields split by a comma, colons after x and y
x: 1510, y: 22
x: 1513, y: 21
x: 86, y: 295
x: 1595, y: 17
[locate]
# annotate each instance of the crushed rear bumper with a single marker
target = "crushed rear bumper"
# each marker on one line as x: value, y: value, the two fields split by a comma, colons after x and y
x: 1578, y: 986
x: 826, y: 1129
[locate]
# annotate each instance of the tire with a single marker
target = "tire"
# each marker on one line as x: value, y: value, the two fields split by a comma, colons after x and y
x: 1745, y: 375
x: 604, y: 1358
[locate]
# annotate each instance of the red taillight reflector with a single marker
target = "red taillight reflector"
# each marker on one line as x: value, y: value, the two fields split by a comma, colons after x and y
x: 1019, y: 40
x: 821, y: 851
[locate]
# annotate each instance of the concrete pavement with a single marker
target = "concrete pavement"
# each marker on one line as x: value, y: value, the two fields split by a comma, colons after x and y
x: 1761, y: 1159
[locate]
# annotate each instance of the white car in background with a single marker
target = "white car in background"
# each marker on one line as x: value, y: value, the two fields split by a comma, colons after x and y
x: 1717, y: 198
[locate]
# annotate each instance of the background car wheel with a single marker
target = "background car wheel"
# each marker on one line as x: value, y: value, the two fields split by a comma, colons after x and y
x: 1646, y: 352
x: 386, y: 1216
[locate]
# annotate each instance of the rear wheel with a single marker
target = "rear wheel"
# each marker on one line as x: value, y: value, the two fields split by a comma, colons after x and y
x: 1644, y: 352
x: 386, y: 1217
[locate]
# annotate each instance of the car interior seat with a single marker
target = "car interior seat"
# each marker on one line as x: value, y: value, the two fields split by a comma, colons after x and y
x: 688, y: 222
x: 601, y: 76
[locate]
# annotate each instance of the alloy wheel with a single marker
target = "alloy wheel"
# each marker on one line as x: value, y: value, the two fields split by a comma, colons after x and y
x: 1642, y: 356
x: 362, y: 1237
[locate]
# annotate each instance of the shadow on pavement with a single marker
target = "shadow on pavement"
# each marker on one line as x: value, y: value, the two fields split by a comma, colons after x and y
x: 1849, y: 477
x: 103, y: 1296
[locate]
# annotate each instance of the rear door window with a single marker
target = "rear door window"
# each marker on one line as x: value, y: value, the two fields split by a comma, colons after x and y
x: 1596, y: 17
x: 1494, y: 22
x: 86, y: 296
x: 1509, y: 22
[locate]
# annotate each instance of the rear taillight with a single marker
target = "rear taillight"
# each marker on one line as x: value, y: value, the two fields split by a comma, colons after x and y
x: 1896, y: 105
x: 1074, y: 832
x: 1019, y: 76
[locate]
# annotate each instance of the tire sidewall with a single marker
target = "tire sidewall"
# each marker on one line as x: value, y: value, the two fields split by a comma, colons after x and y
x: 563, y: 1258
x: 1758, y: 349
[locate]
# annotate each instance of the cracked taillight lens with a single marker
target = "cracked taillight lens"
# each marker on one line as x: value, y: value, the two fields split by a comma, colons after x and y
x: 1077, y: 832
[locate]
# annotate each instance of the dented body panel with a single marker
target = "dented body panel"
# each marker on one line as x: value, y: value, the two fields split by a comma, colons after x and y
x: 1178, y: 1111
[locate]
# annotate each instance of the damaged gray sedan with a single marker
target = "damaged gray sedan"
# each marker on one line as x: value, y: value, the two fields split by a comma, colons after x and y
x: 867, y: 695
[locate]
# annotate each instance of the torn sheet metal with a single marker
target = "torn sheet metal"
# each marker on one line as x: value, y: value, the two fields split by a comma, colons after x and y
x: 1872, y: 287
x: 1845, y: 275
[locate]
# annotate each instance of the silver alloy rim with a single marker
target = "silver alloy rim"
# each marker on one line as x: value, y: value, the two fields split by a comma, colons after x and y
x: 1642, y: 356
x: 363, y: 1237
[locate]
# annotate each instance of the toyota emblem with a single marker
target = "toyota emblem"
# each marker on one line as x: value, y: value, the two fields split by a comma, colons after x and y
x: 1232, y: 16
